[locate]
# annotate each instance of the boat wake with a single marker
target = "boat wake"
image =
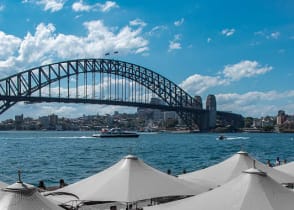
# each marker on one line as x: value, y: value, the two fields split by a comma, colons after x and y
x: 72, y: 137
x: 231, y: 138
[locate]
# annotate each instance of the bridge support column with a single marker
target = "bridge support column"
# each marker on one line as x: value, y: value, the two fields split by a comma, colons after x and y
x: 211, y: 108
x: 202, y: 120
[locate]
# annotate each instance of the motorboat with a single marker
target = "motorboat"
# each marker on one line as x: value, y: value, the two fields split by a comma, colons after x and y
x: 115, y: 132
x: 221, y: 137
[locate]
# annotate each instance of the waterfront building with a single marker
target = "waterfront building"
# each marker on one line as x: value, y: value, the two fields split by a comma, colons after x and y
x: 281, y: 118
x: 153, y: 114
x: 44, y: 121
x: 267, y: 122
x: 257, y: 123
x: 172, y: 115
x: 19, y: 122
x: 53, y: 121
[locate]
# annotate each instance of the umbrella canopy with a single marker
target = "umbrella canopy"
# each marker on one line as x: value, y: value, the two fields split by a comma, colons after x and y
x: 21, y: 196
x: 2, y: 184
x: 232, y: 167
x: 286, y: 168
x: 252, y: 190
x: 130, y: 180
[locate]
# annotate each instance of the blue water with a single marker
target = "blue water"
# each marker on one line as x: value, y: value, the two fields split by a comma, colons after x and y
x: 50, y: 156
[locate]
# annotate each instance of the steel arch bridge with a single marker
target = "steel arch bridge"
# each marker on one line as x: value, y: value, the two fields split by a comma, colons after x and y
x: 100, y: 81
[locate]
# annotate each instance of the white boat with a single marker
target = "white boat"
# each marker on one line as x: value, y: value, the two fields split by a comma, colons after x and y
x: 114, y: 133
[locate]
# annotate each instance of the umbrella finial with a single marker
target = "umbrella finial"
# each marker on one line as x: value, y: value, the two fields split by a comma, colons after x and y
x: 254, y: 166
x: 19, y: 176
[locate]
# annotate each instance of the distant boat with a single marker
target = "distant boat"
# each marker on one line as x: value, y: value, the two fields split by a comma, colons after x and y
x: 114, y: 133
x: 222, y: 137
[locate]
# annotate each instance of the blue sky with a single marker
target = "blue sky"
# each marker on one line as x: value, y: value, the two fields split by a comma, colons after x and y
x: 240, y: 51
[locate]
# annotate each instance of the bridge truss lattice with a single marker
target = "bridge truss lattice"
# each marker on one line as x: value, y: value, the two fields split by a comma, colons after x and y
x: 97, y: 81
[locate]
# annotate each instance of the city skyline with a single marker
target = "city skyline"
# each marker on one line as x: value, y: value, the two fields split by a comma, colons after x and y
x: 241, y: 53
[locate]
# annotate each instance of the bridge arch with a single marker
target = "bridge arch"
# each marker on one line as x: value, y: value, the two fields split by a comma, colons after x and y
x: 97, y: 81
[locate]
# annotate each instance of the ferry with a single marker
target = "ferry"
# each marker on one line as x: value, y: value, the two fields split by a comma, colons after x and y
x: 115, y: 132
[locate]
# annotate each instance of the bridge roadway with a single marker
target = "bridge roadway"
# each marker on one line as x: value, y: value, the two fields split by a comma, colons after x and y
x: 103, y: 81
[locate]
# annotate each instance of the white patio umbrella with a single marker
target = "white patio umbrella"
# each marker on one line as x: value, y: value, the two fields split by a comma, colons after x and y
x: 2, y: 184
x: 232, y: 167
x: 131, y: 180
x: 22, y: 196
x: 286, y: 168
x: 252, y: 190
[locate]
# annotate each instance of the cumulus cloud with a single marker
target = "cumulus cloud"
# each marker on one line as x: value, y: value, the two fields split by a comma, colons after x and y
x: 179, y: 22
x: 46, y: 44
x: 198, y: 84
x: 228, y: 32
x: 244, y: 69
x: 256, y: 103
x: 8, y: 45
x: 52, y: 5
x: 80, y: 6
x: 175, y: 43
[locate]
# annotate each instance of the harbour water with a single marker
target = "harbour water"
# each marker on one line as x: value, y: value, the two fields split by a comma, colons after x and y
x: 50, y: 155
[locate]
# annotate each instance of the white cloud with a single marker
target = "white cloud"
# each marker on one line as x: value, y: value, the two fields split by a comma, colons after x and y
x: 175, y: 43
x: 107, y: 6
x: 80, y: 6
x: 156, y: 31
x: 46, y: 45
x: 62, y: 110
x: 197, y: 84
x: 179, y: 22
x: 228, y: 32
x: 256, y: 103
x: 268, y: 35
x: 259, y: 33
x: 244, y: 69
x: 273, y: 35
x: 8, y: 45
x: 138, y: 22
x: 52, y: 5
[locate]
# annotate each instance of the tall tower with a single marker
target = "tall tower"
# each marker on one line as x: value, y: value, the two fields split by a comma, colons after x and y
x: 211, y: 107
x: 197, y: 102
